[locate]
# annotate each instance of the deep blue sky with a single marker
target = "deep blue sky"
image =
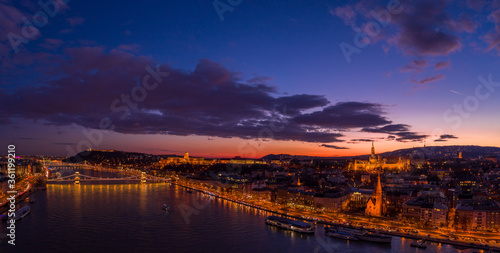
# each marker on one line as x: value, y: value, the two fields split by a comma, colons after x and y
x: 227, y: 76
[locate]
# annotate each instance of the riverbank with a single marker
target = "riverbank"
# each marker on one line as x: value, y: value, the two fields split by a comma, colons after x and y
x: 21, y: 197
x: 472, y: 245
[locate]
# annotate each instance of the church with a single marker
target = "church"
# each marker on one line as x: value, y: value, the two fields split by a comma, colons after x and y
x: 374, y: 162
x: 375, y: 205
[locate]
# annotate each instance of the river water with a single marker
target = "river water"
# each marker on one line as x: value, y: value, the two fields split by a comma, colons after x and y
x: 129, y: 218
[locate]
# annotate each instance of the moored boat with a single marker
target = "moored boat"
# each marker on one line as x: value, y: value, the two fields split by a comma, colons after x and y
x: 341, y: 235
x: 374, y: 237
x: 21, y: 213
x: 294, y: 225
x: 351, y: 231
x: 166, y: 207
x: 419, y: 244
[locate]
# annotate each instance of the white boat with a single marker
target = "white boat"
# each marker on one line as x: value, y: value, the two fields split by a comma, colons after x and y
x: 166, y: 207
x: 294, y: 225
x: 341, y: 235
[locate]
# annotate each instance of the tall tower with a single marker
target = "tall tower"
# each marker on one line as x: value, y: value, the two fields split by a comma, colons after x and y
x: 460, y: 155
x: 378, y: 197
x: 375, y: 206
x: 373, y: 150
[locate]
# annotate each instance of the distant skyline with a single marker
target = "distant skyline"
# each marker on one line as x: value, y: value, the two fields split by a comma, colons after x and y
x: 322, y: 78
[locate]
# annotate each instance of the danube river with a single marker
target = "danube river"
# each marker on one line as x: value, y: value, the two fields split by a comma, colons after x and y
x: 129, y: 218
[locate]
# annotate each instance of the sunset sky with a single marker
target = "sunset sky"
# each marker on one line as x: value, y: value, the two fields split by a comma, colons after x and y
x: 248, y: 78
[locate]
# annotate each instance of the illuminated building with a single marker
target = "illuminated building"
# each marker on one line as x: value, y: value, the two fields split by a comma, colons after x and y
x: 429, y: 208
x: 294, y: 197
x: 375, y: 162
x: 332, y: 202
x: 375, y: 205
x: 478, y: 214
x: 175, y: 160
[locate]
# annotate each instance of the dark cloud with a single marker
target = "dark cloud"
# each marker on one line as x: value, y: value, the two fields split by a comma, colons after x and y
x: 293, y: 105
x: 388, y: 128
x: 410, y: 136
x: 446, y: 137
x: 333, y: 146
x: 84, y: 83
x: 260, y: 80
x: 423, y: 29
x: 398, y: 132
x: 345, y: 115
x: 361, y: 140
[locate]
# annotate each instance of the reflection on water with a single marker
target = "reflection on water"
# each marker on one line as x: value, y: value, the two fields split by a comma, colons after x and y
x: 129, y: 218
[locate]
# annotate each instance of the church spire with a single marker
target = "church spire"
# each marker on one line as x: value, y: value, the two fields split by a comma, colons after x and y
x: 373, y: 150
x: 375, y: 206
x: 378, y: 189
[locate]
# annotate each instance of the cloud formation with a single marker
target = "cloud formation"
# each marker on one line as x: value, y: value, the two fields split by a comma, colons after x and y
x: 345, y: 115
x: 493, y: 37
x: 361, y: 140
x: 333, y: 146
x: 432, y: 78
x: 87, y: 84
x: 388, y: 128
x: 398, y: 132
x: 446, y: 137
x: 423, y: 29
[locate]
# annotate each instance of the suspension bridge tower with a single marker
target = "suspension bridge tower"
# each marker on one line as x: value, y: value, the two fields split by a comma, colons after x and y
x: 77, y: 177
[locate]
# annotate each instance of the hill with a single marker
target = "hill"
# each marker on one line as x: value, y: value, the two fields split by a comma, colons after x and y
x: 431, y: 152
